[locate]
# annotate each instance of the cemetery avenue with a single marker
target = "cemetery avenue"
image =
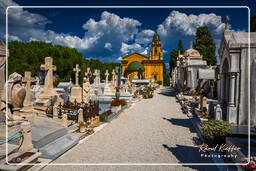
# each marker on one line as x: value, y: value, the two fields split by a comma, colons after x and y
x: 151, y: 131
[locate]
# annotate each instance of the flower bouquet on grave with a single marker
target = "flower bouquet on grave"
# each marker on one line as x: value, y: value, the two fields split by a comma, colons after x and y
x: 83, y: 126
x: 116, y: 102
x: 204, y: 113
x: 249, y: 166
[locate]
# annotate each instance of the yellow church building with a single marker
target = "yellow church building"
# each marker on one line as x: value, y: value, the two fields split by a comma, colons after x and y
x: 146, y: 67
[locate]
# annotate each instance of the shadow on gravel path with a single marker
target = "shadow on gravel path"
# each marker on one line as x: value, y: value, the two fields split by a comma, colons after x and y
x: 182, y: 122
x: 190, y: 154
x: 168, y: 91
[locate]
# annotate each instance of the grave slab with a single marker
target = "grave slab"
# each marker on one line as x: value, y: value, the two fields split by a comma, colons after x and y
x: 59, y: 146
x: 45, y: 130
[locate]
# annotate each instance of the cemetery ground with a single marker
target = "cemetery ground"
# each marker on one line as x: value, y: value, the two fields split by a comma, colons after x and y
x: 150, y: 131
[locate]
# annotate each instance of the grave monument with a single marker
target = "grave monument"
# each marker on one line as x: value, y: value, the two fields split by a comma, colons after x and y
x: 76, y: 91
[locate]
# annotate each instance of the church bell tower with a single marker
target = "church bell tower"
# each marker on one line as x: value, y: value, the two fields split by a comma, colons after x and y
x: 156, y: 52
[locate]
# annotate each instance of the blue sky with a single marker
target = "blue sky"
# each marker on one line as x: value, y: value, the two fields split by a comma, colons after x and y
x: 110, y: 33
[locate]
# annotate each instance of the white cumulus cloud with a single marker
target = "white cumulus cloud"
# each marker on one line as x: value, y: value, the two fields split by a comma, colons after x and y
x: 187, y: 24
x: 111, y: 36
x: 108, y: 46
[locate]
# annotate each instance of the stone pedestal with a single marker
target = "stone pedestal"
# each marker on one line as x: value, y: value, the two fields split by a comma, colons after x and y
x: 108, y: 90
x: 76, y: 94
x: 64, y: 120
x: 80, y: 116
x: 232, y: 114
x: 27, y: 138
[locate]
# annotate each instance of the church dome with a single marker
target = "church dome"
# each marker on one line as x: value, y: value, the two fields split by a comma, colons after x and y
x: 156, y: 37
x: 135, y: 66
x: 191, y: 52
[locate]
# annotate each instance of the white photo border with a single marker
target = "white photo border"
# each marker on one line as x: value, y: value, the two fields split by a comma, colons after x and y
x: 130, y: 164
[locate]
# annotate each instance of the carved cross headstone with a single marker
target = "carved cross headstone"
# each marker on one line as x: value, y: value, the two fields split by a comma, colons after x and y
x: 77, y: 70
x: 27, y: 79
x: 107, y: 74
x: 49, y: 67
x: 87, y: 73
x: 96, y: 79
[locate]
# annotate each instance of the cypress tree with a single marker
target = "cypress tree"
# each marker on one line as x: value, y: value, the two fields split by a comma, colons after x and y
x: 205, y: 45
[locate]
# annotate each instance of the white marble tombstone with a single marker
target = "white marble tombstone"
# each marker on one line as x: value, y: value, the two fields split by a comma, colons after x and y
x: 76, y: 91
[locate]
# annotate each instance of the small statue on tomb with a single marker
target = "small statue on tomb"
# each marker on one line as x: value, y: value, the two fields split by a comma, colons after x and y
x: 16, y: 95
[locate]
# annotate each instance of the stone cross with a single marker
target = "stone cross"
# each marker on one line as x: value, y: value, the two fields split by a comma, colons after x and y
x: 27, y: 80
x: 77, y: 70
x: 49, y: 67
x: 96, y: 79
x: 87, y: 73
x: 107, y: 74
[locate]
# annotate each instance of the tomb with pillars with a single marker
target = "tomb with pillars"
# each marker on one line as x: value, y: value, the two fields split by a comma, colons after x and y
x: 76, y: 90
x: 236, y: 67
x: 188, y: 65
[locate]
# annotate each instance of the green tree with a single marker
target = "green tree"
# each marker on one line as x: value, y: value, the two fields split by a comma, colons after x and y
x: 205, y: 45
x: 174, y: 55
x: 173, y: 59
x: 28, y: 56
x: 180, y: 47
x: 253, y: 23
x: 166, y: 77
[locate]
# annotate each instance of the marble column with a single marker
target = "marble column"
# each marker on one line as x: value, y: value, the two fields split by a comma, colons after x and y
x: 232, y: 81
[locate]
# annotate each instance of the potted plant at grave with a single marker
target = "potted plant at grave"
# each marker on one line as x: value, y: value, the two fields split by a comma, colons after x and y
x: 215, y: 131
x: 83, y: 126
x: 115, y: 105
x: 104, y: 115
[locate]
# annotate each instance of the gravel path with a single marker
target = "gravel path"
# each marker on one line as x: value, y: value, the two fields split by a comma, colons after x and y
x: 151, y: 131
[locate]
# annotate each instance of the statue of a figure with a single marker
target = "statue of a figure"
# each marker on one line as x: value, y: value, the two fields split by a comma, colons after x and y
x: 227, y: 20
x: 86, y: 90
x: 16, y: 95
